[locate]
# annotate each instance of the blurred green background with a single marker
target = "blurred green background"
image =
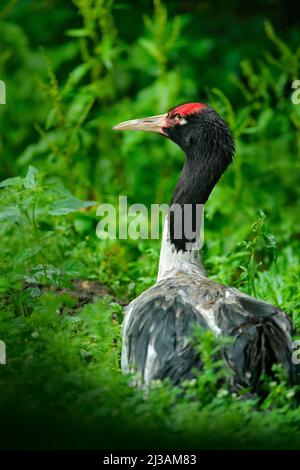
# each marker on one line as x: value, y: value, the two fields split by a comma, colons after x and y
x: 73, y: 70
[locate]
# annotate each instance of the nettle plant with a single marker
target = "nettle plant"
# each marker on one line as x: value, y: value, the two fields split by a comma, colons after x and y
x: 36, y: 233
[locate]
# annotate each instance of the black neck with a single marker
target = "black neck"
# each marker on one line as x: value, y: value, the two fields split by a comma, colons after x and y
x: 206, y: 160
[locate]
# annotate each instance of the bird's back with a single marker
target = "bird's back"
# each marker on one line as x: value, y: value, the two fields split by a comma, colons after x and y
x: 158, y: 326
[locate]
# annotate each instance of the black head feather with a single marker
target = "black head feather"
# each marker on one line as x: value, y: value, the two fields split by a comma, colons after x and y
x: 209, y: 147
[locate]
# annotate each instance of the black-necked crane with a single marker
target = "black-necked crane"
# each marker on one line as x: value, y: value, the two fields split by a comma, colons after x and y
x: 159, y: 323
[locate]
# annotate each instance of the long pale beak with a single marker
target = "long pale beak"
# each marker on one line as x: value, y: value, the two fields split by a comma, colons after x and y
x: 148, y: 124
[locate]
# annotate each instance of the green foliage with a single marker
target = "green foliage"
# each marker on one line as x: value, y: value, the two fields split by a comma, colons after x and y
x: 32, y: 240
x: 73, y: 70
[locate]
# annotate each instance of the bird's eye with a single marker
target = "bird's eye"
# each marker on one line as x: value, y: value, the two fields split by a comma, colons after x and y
x: 180, y: 120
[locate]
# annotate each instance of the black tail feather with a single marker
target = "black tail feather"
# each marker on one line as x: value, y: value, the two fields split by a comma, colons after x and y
x: 257, y: 347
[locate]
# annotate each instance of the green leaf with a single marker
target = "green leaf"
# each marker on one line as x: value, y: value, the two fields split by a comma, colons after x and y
x: 44, y: 273
x: 150, y: 47
x: 30, y: 178
x: 10, y: 214
x: 11, y: 182
x: 67, y: 204
x: 4, y: 285
x: 50, y: 121
x: 78, y: 73
x: 77, y: 33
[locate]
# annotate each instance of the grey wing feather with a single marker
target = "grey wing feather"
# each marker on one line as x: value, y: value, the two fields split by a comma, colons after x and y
x: 160, y: 321
x: 156, y: 339
x: 262, y: 335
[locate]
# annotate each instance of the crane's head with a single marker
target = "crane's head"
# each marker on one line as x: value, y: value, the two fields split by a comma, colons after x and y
x: 203, y: 136
x: 195, y: 127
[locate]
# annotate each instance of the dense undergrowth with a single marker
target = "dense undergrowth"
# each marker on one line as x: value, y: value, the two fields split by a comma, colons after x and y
x: 99, y: 63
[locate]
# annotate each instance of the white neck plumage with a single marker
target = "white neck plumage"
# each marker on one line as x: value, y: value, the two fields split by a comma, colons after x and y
x: 172, y: 261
